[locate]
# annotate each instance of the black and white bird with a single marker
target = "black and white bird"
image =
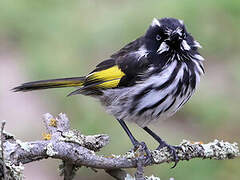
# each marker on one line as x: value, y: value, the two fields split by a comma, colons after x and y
x: 147, y: 80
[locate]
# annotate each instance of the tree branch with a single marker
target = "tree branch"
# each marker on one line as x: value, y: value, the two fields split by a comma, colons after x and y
x: 77, y: 150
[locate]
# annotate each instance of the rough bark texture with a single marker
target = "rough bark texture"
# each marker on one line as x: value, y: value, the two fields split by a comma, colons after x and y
x: 76, y: 150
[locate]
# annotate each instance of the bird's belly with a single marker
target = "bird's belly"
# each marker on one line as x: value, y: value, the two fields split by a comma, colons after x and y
x: 155, y: 105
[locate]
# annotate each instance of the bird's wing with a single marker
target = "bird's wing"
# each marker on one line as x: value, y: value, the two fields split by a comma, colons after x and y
x: 121, y: 70
x: 106, y: 75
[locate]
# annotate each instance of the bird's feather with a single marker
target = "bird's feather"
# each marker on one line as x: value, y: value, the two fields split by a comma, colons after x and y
x: 109, y: 77
x: 51, y: 83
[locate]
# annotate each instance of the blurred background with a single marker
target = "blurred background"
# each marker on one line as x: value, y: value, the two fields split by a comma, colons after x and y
x: 57, y: 38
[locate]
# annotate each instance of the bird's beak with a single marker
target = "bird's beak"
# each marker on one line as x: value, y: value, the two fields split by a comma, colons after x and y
x: 175, y: 36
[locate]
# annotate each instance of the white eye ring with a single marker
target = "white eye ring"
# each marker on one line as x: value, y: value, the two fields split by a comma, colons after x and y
x: 158, y: 37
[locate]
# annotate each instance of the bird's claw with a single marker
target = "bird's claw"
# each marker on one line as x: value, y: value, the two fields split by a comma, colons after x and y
x: 173, y: 152
x: 142, y: 145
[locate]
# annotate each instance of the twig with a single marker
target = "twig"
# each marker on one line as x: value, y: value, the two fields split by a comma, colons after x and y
x: 68, y: 170
x: 139, y: 175
x: 118, y: 174
x: 2, y: 147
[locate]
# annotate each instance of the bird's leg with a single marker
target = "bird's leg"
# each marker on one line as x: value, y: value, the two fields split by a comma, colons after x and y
x: 134, y: 141
x: 126, y: 129
x: 163, y: 144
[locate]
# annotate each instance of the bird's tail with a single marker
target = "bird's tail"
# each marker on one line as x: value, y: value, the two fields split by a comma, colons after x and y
x: 51, y: 83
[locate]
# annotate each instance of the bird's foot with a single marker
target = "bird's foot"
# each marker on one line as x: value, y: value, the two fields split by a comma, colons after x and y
x: 172, y: 150
x: 142, y: 146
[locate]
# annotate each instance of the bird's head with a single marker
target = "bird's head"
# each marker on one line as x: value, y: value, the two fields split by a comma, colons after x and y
x: 169, y: 36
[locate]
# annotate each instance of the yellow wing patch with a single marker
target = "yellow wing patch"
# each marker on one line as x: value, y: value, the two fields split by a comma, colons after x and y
x: 109, y: 84
x: 107, y: 74
x: 110, y: 77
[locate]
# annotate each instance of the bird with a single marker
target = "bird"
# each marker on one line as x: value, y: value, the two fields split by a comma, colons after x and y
x: 147, y: 80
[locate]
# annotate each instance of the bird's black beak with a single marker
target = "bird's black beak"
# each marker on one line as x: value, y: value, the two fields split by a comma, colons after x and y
x: 175, y: 39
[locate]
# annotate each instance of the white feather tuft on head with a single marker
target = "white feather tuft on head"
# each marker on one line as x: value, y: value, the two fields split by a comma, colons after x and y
x: 155, y: 22
x: 181, y: 21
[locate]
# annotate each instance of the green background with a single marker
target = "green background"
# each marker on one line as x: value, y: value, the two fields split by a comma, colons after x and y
x: 57, y: 38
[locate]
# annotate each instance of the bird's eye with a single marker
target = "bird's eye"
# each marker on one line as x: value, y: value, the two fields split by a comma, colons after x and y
x: 158, y: 37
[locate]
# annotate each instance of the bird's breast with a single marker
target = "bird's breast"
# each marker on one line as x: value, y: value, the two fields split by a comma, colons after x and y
x: 157, y: 97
